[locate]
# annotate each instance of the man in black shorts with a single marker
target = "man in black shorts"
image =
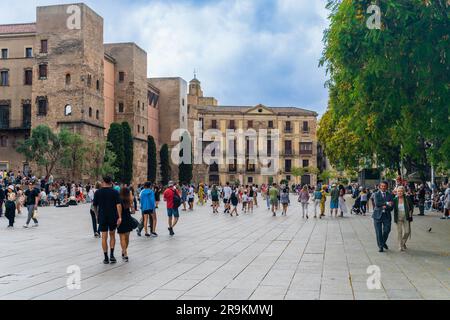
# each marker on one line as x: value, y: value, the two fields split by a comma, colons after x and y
x: 109, y: 216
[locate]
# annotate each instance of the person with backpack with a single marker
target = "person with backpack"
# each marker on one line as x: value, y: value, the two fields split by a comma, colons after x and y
x: 317, y: 201
x: 234, y: 202
x: 148, y: 209
x: 285, y: 201
x: 215, y: 199
x: 173, y: 200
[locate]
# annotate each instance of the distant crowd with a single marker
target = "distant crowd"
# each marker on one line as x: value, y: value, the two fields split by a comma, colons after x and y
x: 113, y: 205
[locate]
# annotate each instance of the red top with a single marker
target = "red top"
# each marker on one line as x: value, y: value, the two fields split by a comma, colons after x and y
x: 168, y: 197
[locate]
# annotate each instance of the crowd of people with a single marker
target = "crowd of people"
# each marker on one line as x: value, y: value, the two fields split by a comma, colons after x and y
x: 113, y: 205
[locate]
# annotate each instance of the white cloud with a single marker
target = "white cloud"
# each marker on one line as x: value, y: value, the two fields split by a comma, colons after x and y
x: 246, y: 51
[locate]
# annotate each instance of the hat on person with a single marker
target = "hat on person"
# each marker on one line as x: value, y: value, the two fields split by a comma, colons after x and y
x: 11, y: 187
x: 171, y: 183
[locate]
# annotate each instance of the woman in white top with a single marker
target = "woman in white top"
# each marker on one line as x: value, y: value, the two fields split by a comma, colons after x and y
x: 403, y: 216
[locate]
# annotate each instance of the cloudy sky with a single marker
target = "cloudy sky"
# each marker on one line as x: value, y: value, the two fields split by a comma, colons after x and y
x: 246, y: 52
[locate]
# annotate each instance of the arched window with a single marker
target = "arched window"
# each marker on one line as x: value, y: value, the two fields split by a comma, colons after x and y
x: 68, y: 79
x: 98, y: 85
x: 68, y: 110
x: 143, y: 130
x: 90, y: 112
x: 97, y: 115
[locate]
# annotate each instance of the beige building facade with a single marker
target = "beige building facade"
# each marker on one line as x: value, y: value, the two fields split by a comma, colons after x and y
x: 295, y: 146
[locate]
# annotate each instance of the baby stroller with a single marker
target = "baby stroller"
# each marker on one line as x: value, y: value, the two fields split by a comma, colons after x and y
x: 356, y: 209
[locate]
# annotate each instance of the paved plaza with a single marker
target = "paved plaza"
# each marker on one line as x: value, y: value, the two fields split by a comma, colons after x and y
x: 253, y: 256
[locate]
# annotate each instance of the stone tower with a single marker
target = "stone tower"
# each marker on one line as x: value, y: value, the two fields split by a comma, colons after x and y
x: 69, y: 69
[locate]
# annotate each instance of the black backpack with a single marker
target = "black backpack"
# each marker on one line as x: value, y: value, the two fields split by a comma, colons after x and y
x: 176, y: 200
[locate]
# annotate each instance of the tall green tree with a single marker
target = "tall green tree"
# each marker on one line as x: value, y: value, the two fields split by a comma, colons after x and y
x: 44, y: 147
x: 185, y: 167
x: 389, y: 94
x: 129, y: 153
x: 74, y: 154
x: 101, y: 160
x: 116, y: 146
x: 165, y: 164
x: 152, y: 163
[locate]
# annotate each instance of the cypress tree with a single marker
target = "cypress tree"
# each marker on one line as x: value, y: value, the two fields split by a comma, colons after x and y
x: 151, y: 160
x: 165, y: 164
x: 115, y: 145
x: 185, y: 169
x: 129, y: 153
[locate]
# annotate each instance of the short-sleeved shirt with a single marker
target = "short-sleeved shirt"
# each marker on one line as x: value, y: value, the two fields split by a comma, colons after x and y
x: 31, y: 196
x: 168, y: 196
x: 106, y: 200
x: 273, y: 193
x: 227, y: 192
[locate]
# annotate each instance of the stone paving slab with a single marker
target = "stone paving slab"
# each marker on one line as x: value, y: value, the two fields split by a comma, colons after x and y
x: 214, y: 256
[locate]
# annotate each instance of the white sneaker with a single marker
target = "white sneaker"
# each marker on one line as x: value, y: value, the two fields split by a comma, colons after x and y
x: 25, y: 226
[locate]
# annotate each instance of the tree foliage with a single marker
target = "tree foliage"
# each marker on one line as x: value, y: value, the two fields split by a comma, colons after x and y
x: 129, y: 153
x: 389, y: 88
x: 165, y: 164
x: 152, y: 162
x: 116, y: 146
x: 185, y: 169
x: 74, y: 156
x: 101, y: 160
x: 44, y: 147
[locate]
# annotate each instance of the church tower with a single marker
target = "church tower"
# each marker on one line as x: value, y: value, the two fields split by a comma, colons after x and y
x: 195, y: 91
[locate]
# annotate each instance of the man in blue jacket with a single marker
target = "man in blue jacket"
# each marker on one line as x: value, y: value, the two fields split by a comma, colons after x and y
x: 148, y: 205
x: 382, y: 217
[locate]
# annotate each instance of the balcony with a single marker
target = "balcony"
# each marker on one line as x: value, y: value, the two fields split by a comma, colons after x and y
x: 288, y: 153
x: 306, y: 152
x: 288, y: 130
x: 15, y: 124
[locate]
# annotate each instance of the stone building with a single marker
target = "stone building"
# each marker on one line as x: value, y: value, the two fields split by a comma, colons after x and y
x: 296, y: 143
x: 62, y: 75
x: 173, y: 113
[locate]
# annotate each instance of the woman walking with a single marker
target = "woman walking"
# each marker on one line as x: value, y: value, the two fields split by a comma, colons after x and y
x: 215, y: 199
x: 20, y: 199
x: 403, y: 216
x: 342, y: 204
x: 285, y: 201
x: 10, y: 207
x: 98, y: 186
x: 234, y: 202
x: 303, y: 198
x: 127, y: 225
x: 323, y: 200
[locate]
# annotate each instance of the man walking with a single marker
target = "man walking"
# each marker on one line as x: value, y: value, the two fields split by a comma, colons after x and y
x: 173, y: 200
x: 273, y: 196
x: 108, y: 210
x: 384, y: 202
x: 32, y: 202
x: 421, y: 197
x: 226, y: 197
x: 148, y: 209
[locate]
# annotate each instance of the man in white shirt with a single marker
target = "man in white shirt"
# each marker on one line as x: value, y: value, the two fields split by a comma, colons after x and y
x: 191, y: 197
x: 226, y: 197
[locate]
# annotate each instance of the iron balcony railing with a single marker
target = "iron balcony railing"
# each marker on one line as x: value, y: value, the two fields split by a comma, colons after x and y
x: 15, y: 124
